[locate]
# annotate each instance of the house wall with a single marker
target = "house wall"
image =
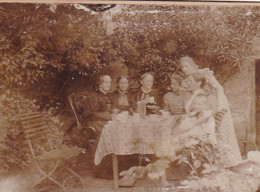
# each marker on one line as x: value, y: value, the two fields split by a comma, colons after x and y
x: 256, y: 56
x: 238, y: 91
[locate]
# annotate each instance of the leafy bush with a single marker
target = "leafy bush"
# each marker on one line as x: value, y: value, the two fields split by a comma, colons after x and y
x: 45, y: 58
x: 206, y: 171
x: 155, y: 37
x: 14, y: 148
x: 200, y: 154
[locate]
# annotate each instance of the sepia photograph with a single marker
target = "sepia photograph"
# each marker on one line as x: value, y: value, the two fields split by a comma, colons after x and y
x: 129, y: 97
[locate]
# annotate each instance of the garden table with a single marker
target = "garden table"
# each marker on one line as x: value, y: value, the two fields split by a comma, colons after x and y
x: 132, y: 135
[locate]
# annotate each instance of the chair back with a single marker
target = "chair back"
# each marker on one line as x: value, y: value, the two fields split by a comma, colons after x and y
x: 35, y: 128
x: 76, y: 101
x: 72, y: 99
x: 87, y: 133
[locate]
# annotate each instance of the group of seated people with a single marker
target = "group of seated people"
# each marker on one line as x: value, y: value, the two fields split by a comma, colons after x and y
x: 195, y: 97
x: 101, y: 104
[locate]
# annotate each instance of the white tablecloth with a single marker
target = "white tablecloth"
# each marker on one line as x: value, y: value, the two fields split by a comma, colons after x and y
x: 133, y: 136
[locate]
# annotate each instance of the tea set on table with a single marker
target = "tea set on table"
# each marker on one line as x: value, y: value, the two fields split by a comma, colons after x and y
x: 145, y: 109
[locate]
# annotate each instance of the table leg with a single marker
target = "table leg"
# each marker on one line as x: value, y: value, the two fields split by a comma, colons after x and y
x: 115, y: 171
x: 164, y: 181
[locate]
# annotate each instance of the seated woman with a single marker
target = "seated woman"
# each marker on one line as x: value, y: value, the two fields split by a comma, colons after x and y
x: 97, y: 109
x: 175, y: 101
x: 122, y: 100
x: 225, y: 133
x: 198, y: 120
x: 98, y: 104
x: 151, y: 97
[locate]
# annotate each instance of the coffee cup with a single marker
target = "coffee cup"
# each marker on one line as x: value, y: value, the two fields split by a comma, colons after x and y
x: 165, y: 113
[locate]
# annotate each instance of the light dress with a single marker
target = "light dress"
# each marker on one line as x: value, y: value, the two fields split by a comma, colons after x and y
x: 225, y: 133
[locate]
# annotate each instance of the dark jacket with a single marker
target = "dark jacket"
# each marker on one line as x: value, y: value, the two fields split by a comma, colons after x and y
x: 115, y: 97
x: 97, y: 109
x: 137, y: 96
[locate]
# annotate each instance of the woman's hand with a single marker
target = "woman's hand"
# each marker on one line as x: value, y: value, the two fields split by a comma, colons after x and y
x: 194, y: 113
x: 149, y: 100
x: 221, y: 109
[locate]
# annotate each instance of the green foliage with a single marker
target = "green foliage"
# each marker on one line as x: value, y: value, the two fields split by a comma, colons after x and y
x: 45, y: 48
x: 200, y: 154
x: 206, y: 171
x: 157, y: 36
x: 42, y: 48
x: 13, y: 146
x: 13, y: 149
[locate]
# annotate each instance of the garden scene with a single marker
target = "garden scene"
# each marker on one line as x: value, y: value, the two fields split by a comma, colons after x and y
x: 51, y: 56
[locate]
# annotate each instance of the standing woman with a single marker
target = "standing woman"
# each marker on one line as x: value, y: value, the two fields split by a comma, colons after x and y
x: 146, y: 93
x: 121, y: 97
x: 225, y: 133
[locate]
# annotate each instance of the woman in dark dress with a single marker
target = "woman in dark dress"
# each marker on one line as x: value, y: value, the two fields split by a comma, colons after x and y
x: 122, y: 100
x: 98, y: 104
x: 97, y: 109
x: 150, y: 96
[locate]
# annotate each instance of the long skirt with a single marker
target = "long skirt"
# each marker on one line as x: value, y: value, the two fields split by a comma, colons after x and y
x: 226, y: 137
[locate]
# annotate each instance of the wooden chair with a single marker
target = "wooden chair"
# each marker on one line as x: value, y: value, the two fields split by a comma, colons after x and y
x: 36, y: 129
x: 89, y: 133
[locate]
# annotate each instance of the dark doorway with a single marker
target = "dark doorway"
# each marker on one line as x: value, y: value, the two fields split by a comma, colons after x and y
x: 257, y: 110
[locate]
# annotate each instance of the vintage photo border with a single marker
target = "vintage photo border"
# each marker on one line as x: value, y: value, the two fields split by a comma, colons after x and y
x: 195, y: 3
x: 162, y: 2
